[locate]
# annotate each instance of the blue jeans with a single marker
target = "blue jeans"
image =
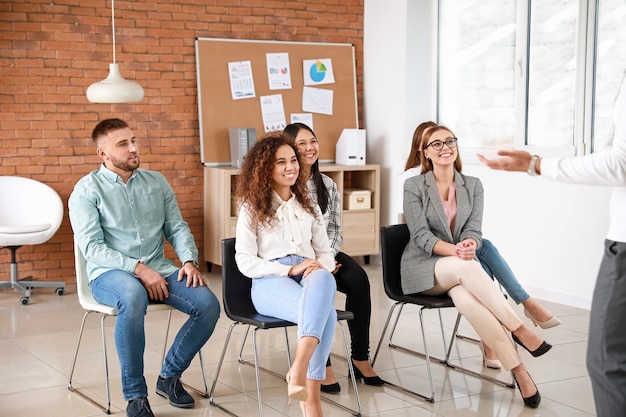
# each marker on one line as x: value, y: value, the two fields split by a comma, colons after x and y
x: 307, y: 302
x: 494, y: 264
x: 125, y: 292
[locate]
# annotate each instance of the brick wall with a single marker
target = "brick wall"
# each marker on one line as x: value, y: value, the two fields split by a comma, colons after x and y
x: 52, y: 50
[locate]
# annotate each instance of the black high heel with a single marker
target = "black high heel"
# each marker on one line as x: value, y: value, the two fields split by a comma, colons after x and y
x: 545, y: 346
x: 375, y: 381
x: 532, y: 401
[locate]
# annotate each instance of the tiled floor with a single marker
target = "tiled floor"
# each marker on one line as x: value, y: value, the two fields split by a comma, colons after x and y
x: 37, y: 342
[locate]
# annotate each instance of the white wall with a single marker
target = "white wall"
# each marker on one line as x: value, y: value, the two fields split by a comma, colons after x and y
x: 551, y: 234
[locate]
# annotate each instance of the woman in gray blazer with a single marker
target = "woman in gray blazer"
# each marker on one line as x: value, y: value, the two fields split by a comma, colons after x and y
x: 491, y: 260
x: 443, y: 210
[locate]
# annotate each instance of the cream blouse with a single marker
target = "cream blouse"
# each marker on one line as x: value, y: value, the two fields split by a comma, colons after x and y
x: 295, y: 232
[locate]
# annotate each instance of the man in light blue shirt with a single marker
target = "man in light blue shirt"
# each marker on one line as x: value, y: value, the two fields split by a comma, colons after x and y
x: 120, y: 215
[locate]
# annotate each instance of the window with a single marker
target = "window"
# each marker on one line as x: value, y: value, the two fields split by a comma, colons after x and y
x: 537, y: 74
x: 476, y: 70
x: 552, y: 62
x: 610, y: 65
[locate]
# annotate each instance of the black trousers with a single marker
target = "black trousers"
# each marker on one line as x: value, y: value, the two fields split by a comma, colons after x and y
x: 606, y: 349
x: 354, y: 283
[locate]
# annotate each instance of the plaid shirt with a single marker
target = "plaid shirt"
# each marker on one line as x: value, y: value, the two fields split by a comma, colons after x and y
x: 332, y: 216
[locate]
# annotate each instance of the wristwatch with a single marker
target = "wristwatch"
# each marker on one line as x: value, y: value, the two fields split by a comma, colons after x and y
x: 532, y: 171
x: 193, y: 262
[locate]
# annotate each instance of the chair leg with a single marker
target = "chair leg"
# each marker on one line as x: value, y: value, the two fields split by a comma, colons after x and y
x: 382, y: 335
x: 380, y: 342
x: 255, y: 364
x: 459, y: 368
x: 257, y: 372
x: 288, y: 349
x: 244, y: 361
x: 106, y: 409
x: 204, y: 393
x: 427, y: 356
x: 243, y: 344
x: 395, y: 323
x: 448, y: 350
x: 259, y: 368
x: 357, y: 399
x: 217, y: 372
x: 26, y: 284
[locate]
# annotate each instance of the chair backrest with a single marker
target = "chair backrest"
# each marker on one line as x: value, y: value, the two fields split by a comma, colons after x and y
x: 82, y: 280
x: 236, y: 287
x: 85, y: 298
x: 30, y: 211
x: 393, y: 240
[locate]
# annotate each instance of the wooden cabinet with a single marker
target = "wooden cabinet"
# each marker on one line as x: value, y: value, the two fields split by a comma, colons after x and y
x: 360, y: 227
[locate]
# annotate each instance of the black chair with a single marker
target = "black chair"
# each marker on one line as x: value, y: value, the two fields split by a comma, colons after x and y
x: 238, y: 306
x: 393, y: 240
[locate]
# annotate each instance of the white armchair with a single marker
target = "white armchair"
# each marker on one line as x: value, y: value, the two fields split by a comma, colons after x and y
x: 30, y: 214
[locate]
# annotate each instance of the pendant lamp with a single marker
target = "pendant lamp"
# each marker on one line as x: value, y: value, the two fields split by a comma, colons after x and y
x: 114, y: 88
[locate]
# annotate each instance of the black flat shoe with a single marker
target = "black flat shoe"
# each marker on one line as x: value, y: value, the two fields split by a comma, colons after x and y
x: 545, y: 346
x: 375, y: 381
x: 532, y: 401
x: 331, y: 388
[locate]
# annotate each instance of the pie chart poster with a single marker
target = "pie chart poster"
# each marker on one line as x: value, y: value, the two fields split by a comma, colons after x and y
x: 318, y: 71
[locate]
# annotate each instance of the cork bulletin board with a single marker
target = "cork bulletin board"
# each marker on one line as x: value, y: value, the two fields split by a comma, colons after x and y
x: 218, y: 111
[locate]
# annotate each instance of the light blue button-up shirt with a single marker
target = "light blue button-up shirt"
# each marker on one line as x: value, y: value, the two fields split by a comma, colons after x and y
x: 118, y: 225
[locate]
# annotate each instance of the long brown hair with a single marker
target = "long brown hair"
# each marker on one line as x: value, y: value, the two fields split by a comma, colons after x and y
x: 323, y: 199
x: 414, y: 157
x: 426, y: 163
x: 254, y: 185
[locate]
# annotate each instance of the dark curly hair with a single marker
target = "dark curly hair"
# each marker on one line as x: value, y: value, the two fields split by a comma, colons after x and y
x: 254, y: 185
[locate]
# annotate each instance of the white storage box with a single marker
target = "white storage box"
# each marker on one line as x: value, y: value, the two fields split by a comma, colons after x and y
x: 354, y: 199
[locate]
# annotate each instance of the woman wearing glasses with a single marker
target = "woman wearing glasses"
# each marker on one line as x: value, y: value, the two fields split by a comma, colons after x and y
x: 492, y: 261
x: 443, y: 210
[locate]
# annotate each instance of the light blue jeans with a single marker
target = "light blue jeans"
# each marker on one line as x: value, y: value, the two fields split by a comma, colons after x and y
x: 125, y: 292
x: 494, y: 264
x: 307, y: 302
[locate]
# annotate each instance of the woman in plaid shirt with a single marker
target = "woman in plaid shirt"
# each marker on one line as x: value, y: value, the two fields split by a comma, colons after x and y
x: 351, y: 278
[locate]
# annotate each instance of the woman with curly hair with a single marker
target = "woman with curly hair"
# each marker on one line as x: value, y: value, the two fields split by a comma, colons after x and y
x: 282, y: 245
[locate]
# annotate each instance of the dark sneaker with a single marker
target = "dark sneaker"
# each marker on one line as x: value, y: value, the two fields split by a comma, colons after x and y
x: 139, y: 407
x: 172, y: 389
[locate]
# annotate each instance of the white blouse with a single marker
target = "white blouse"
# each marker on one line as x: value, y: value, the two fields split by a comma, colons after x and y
x: 295, y: 232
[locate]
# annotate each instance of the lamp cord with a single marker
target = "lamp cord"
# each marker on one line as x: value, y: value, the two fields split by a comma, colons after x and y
x: 113, y: 26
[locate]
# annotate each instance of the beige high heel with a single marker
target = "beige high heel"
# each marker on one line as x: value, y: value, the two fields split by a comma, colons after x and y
x: 489, y: 363
x: 553, y: 322
x: 296, y: 392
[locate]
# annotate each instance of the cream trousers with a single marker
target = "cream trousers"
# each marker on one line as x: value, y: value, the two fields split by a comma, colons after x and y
x: 480, y: 301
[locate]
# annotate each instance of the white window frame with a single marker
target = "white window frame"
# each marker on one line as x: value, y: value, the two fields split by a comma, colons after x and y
x: 586, y: 47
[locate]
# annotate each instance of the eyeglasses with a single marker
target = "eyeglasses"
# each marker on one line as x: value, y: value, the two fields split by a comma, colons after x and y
x: 438, y: 145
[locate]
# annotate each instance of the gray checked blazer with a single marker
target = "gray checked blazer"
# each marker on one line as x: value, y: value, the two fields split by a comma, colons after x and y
x: 427, y: 225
